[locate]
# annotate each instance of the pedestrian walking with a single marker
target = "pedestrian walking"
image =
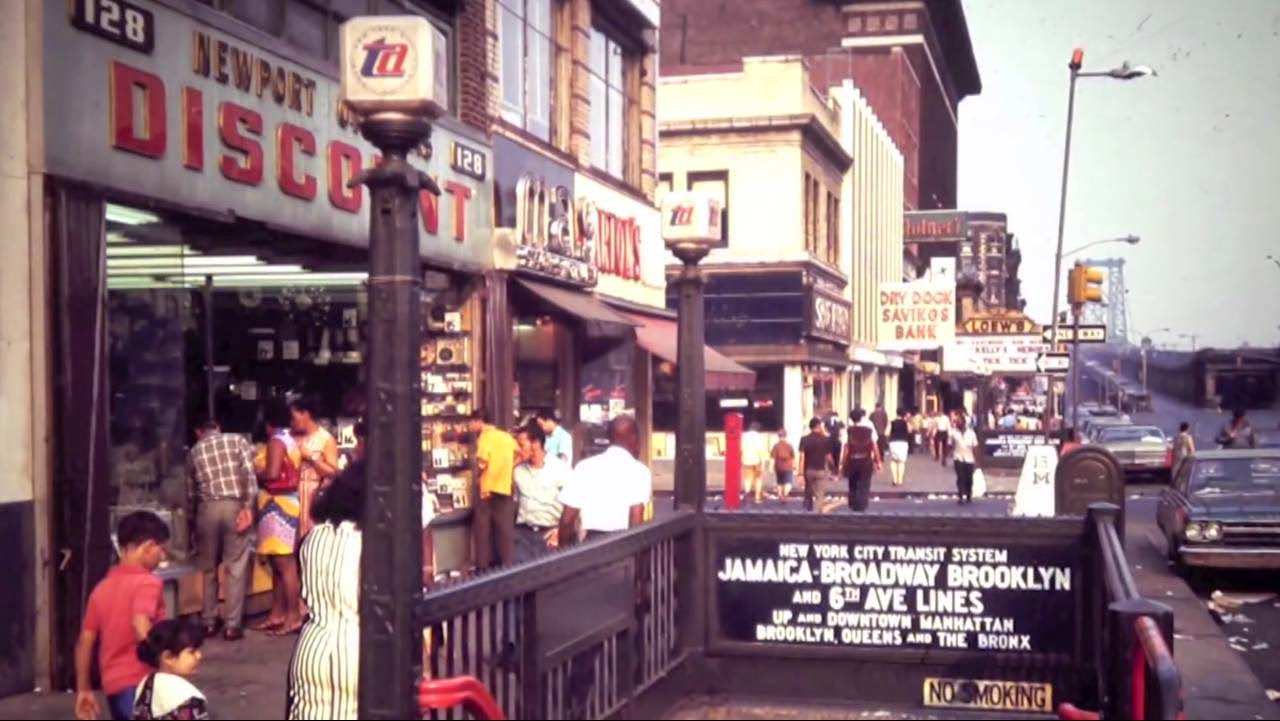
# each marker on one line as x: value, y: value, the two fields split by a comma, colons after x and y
x: 964, y: 442
x: 319, y: 457
x: 930, y: 428
x: 609, y: 492
x: 172, y: 648
x: 494, y: 517
x: 278, y: 521
x: 224, y: 488
x: 559, y: 442
x: 324, y: 672
x: 755, y: 454
x: 784, y: 465
x: 816, y: 461
x: 1238, y: 432
x: 121, y: 611
x: 899, y: 446
x: 880, y: 420
x: 860, y: 462
x: 942, y: 438
x: 1184, y: 445
x: 539, y: 479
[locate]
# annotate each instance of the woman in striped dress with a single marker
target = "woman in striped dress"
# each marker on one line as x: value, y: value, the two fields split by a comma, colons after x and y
x: 325, y: 670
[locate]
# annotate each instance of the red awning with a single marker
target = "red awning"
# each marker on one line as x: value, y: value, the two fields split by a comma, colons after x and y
x: 660, y: 336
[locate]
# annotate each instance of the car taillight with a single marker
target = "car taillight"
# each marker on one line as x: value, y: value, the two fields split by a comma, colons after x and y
x: 1168, y: 458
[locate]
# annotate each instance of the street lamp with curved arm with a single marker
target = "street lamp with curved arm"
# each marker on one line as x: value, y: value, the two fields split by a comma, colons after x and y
x: 1130, y: 239
x: 1124, y: 72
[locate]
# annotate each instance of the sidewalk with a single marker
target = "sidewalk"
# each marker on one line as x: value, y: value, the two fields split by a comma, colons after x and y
x: 1217, y: 682
x: 925, y: 477
x: 243, y: 680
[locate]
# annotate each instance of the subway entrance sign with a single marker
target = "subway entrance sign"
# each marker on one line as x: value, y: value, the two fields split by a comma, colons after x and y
x: 999, y: 323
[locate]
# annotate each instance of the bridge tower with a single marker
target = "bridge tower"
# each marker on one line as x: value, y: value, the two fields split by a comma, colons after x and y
x: 1115, y: 312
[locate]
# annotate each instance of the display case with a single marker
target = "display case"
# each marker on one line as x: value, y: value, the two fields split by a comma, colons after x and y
x: 448, y: 399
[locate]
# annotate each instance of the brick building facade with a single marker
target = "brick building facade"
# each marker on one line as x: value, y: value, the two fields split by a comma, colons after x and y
x: 912, y: 60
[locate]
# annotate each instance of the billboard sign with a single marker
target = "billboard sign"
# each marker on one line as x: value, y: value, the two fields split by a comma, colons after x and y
x: 916, y: 316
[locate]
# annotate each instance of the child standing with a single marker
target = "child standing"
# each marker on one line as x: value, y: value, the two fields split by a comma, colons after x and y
x: 121, y: 611
x: 173, y: 649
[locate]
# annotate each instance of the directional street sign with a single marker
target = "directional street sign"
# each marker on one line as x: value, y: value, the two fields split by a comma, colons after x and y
x: 1053, y: 363
x: 1088, y: 334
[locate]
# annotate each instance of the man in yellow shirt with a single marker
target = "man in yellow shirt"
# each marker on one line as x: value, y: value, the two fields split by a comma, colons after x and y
x: 494, y: 519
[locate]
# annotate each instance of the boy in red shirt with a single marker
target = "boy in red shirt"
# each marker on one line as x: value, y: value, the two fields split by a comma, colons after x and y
x: 121, y: 611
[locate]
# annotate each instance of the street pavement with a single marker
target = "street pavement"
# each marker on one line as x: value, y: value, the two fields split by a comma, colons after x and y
x: 1229, y: 658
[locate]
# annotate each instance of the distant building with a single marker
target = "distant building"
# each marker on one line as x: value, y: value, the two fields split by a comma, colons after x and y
x: 913, y: 60
x: 812, y: 185
x: 977, y: 245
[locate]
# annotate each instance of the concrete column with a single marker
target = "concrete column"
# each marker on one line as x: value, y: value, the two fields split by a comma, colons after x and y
x: 793, y: 402
x: 24, y: 477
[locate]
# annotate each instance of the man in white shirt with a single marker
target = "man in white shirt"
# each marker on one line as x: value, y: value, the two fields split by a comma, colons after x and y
x: 559, y: 442
x: 755, y: 454
x: 539, y: 478
x: 942, y: 438
x: 609, y: 492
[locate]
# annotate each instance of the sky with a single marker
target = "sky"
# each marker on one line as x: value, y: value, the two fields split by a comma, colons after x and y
x: 1188, y: 160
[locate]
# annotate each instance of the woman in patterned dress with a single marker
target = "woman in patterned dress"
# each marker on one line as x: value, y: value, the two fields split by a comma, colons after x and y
x: 325, y: 670
x: 319, y: 457
x: 278, y: 511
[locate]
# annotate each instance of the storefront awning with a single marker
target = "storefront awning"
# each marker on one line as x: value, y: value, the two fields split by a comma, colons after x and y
x: 600, y: 319
x: 660, y: 337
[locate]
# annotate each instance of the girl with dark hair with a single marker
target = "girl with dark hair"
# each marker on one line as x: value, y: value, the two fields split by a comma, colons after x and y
x: 279, y: 510
x: 324, y: 672
x: 319, y: 456
x: 173, y: 649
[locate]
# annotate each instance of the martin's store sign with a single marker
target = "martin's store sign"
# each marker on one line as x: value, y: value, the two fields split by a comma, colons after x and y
x: 170, y: 108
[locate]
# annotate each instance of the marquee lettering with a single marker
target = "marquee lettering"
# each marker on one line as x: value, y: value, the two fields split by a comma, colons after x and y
x: 138, y: 117
x: 127, y: 83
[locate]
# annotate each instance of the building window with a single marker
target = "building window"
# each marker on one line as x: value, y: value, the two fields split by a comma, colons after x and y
x: 525, y: 38
x: 611, y: 70
x: 809, y: 221
x: 833, y: 230
x: 665, y: 183
x: 716, y: 184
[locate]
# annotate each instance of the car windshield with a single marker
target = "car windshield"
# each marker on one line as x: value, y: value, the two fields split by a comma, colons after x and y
x: 1234, y: 476
x: 1131, y: 434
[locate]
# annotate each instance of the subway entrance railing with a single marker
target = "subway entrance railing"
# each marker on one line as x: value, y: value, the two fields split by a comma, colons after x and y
x: 997, y: 615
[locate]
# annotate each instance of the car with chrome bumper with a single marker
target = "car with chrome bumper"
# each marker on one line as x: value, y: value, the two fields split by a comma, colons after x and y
x: 1222, y: 510
x: 1141, y: 450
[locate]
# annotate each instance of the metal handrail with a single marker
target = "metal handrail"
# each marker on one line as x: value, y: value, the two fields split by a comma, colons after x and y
x: 495, y: 586
x: 1152, y: 656
x: 1116, y: 575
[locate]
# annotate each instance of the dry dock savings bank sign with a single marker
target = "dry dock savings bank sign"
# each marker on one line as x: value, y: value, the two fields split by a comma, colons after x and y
x: 977, y: 598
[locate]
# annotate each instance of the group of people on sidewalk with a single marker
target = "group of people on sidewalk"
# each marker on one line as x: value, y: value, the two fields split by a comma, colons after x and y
x: 532, y: 498
x: 857, y: 453
x: 308, y: 516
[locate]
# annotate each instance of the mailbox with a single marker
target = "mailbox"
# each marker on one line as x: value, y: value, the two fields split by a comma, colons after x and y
x: 1088, y: 475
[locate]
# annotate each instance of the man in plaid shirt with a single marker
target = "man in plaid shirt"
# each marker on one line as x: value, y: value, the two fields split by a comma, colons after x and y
x: 224, y: 487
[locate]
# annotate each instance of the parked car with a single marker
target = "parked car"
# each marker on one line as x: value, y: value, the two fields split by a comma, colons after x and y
x: 1139, y: 449
x: 1223, y: 510
x: 1268, y: 438
x: 1089, y: 427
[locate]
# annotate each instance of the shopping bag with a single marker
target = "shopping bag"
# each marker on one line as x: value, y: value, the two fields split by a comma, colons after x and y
x: 979, y: 483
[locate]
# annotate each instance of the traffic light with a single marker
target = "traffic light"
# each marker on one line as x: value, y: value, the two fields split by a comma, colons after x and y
x: 1084, y: 284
